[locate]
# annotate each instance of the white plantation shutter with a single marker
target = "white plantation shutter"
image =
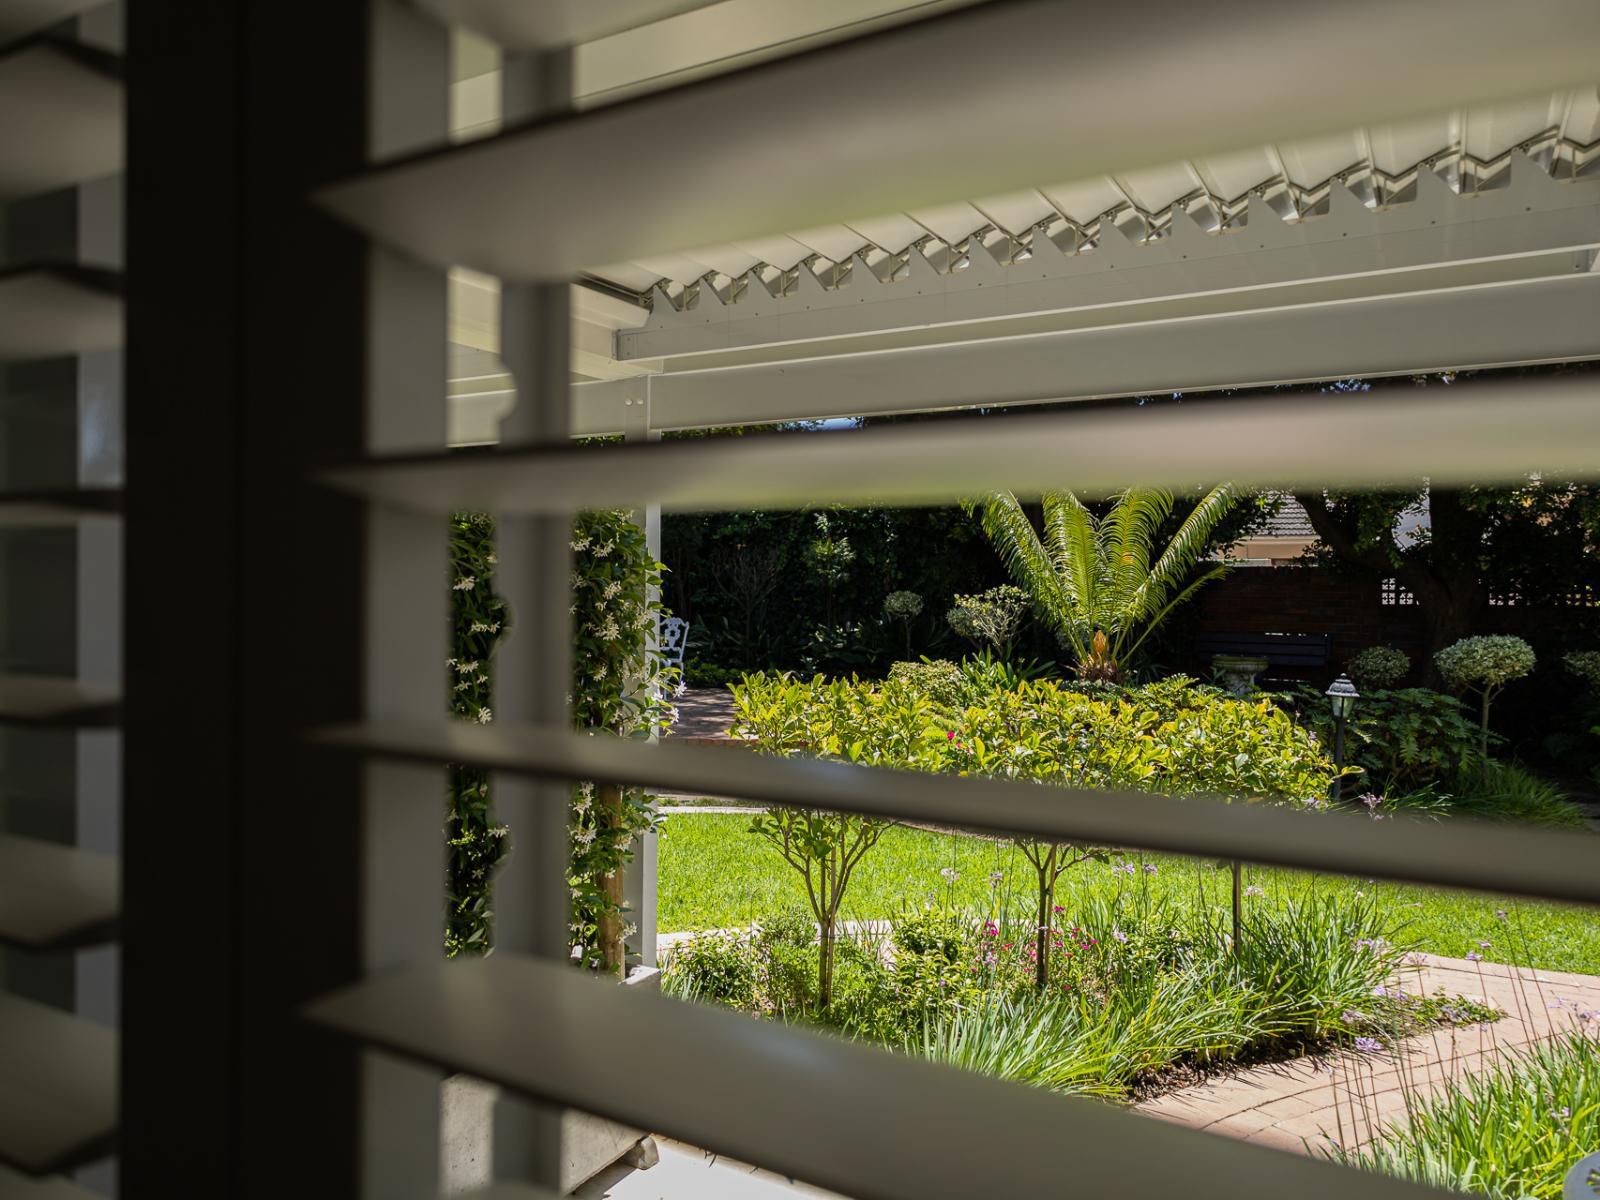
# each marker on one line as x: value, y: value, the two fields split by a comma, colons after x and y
x: 793, y: 143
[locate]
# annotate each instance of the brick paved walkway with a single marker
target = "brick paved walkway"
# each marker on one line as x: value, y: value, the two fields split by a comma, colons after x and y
x: 1348, y: 1096
x: 704, y: 715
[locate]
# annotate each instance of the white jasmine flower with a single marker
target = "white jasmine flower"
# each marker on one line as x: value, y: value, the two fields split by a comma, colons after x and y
x: 484, y: 716
x: 465, y: 584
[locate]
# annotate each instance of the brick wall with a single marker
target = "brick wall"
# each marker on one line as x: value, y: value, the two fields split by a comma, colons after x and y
x: 1308, y: 600
x: 1314, y: 600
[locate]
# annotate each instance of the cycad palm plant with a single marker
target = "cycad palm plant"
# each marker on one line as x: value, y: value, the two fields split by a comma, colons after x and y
x: 1102, y: 583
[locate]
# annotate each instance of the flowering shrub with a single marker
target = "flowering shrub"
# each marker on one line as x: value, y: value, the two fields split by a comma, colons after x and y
x: 477, y: 620
x: 1377, y: 667
x: 992, y: 619
x: 1485, y: 665
x: 620, y: 685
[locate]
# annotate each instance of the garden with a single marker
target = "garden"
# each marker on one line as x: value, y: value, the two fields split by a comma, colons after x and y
x: 1084, y: 969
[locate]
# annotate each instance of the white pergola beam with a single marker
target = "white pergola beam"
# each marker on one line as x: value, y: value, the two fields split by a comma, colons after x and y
x: 1531, y: 216
x: 1543, y: 320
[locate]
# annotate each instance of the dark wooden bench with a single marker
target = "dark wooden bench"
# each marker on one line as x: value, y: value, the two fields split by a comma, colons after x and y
x: 1293, y: 651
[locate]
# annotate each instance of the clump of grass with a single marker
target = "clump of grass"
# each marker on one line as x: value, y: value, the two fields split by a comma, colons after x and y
x: 1505, y: 792
x: 1510, y: 1132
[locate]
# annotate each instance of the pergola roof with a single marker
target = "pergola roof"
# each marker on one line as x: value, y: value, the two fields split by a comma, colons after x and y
x: 1466, y: 238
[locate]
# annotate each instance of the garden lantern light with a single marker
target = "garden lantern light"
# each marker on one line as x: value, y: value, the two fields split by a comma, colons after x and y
x: 1342, y: 697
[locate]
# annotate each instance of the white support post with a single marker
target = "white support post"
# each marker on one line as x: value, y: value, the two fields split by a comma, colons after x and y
x: 407, y: 598
x: 533, y: 669
x: 640, y: 876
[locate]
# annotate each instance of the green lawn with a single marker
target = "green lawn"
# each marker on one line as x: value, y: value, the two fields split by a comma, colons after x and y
x: 715, y: 874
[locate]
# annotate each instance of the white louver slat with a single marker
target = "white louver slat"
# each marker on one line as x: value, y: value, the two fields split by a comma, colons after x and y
x: 58, y: 1087
x: 60, y: 116
x: 56, y: 700
x: 50, y: 311
x: 861, y: 110
x: 55, y: 897
x: 870, y: 1124
x: 1525, y: 861
x: 1467, y: 433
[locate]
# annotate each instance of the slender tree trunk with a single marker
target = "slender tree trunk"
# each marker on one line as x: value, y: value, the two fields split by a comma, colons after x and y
x: 825, y: 962
x: 1041, y: 957
x: 1483, y: 729
x: 613, y: 953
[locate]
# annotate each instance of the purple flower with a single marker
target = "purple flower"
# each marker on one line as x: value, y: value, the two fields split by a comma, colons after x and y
x: 1483, y: 945
x: 1254, y: 890
x: 1350, y: 1018
x: 1368, y: 1044
x: 1474, y: 956
x: 1149, y: 868
x: 1372, y: 800
x: 1499, y: 914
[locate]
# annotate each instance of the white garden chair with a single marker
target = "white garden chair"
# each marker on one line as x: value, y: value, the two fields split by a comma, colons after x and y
x: 674, y: 637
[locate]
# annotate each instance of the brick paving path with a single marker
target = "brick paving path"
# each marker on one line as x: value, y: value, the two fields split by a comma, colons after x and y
x: 1348, y: 1095
x: 704, y: 714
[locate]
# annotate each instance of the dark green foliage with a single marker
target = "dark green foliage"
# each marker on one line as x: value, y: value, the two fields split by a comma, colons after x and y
x: 757, y: 591
x: 1506, y: 792
x: 1404, y: 740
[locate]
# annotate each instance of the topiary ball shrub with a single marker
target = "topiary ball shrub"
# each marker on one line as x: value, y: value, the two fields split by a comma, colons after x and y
x: 1485, y: 665
x: 1377, y: 667
x: 1488, y: 661
x: 902, y: 606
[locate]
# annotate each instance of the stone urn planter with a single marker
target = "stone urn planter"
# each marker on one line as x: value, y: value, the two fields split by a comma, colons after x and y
x: 1238, y: 671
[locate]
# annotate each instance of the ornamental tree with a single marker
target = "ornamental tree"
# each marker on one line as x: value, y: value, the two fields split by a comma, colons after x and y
x: 1485, y: 665
x: 893, y: 725
x: 991, y: 620
x: 904, y: 607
